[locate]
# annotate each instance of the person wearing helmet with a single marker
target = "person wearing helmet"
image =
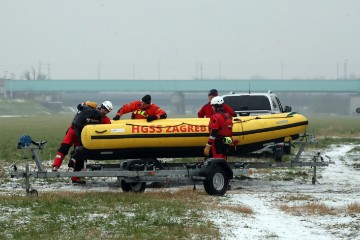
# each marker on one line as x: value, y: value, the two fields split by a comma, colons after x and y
x: 105, y: 108
x: 207, y: 111
x: 72, y: 135
x: 220, y: 127
x: 142, y: 109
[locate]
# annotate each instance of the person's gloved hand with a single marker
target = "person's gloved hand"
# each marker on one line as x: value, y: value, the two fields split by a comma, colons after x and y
x: 207, y: 150
x: 80, y: 106
x: 227, y: 140
x: 91, y: 104
x: 151, y: 118
x: 117, y: 117
x: 235, y: 142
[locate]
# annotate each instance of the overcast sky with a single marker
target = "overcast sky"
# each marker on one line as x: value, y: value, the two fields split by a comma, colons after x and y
x: 181, y: 39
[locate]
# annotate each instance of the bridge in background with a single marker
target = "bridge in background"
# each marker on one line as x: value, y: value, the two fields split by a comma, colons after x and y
x: 335, y: 86
x: 342, y: 96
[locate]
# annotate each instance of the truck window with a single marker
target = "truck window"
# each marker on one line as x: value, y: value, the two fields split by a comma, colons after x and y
x: 248, y: 102
x: 279, y: 104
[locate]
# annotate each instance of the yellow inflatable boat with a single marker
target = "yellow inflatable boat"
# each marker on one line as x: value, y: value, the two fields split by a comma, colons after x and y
x: 185, y: 137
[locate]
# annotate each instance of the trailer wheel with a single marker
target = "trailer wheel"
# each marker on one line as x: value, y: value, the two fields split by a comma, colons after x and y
x: 313, y: 180
x: 138, y: 187
x: 287, y: 148
x: 278, y: 153
x: 133, y: 187
x: 217, y: 182
x: 126, y: 187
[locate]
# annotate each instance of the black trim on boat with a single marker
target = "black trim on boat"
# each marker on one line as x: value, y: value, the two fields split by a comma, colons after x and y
x: 186, y: 135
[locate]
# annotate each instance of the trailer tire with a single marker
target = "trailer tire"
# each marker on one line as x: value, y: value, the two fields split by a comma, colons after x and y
x: 137, y: 187
x: 287, y: 148
x: 217, y: 181
x: 278, y: 153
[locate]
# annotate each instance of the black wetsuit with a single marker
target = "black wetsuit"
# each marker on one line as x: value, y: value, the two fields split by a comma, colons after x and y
x: 85, y: 116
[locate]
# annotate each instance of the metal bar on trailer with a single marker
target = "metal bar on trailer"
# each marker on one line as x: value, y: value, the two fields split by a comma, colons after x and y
x: 301, y: 149
x: 148, y: 175
x: 123, y: 173
x: 284, y: 164
x: 36, y: 157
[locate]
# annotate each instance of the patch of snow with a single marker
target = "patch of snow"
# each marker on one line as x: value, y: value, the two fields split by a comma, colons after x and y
x: 338, y: 186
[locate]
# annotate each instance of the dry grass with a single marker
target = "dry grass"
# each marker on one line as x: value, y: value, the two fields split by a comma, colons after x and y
x: 298, y: 197
x: 264, y: 171
x: 317, y: 208
x: 2, y: 173
x: 310, y: 209
x: 237, y: 209
x: 353, y: 208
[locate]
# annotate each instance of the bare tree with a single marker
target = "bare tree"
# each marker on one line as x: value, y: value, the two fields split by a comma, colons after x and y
x: 33, y: 75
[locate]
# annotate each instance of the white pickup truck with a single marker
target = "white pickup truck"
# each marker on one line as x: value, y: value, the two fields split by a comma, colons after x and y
x: 256, y: 104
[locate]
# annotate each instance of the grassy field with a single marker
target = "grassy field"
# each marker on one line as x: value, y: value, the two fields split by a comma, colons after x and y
x: 330, y: 126
x: 114, y: 214
x: 52, y: 129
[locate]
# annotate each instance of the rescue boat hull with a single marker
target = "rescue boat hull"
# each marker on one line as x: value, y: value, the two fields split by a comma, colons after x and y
x: 184, y: 137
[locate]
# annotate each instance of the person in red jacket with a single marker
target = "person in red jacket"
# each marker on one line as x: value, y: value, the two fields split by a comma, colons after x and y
x: 220, y: 127
x: 142, y: 109
x: 71, y: 137
x: 207, y: 111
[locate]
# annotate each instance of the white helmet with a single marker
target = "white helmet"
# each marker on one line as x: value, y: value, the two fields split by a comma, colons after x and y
x: 217, y: 101
x: 107, y: 105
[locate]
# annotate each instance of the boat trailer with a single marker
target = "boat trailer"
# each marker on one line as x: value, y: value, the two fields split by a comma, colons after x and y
x: 134, y: 174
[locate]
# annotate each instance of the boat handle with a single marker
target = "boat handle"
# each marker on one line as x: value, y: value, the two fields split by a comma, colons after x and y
x: 100, y: 131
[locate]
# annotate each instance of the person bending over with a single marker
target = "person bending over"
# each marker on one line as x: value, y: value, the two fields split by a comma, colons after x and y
x: 72, y: 136
x: 142, y: 109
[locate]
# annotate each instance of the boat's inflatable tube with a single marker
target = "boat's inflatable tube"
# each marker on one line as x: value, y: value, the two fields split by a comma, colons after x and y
x: 180, y: 137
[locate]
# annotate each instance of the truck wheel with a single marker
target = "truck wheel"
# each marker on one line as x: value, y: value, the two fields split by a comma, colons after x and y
x: 217, y: 182
x: 133, y: 187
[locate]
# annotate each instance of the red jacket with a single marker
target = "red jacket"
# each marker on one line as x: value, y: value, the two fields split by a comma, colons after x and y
x: 207, y: 111
x: 221, y: 124
x: 105, y: 120
x: 138, y: 112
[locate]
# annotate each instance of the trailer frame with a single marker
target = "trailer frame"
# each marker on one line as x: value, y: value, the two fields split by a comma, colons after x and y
x: 133, y: 174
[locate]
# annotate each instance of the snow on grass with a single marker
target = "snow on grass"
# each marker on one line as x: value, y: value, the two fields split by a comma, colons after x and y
x: 337, y: 187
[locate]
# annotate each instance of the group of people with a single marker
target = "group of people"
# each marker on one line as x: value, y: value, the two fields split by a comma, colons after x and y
x: 220, y: 125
